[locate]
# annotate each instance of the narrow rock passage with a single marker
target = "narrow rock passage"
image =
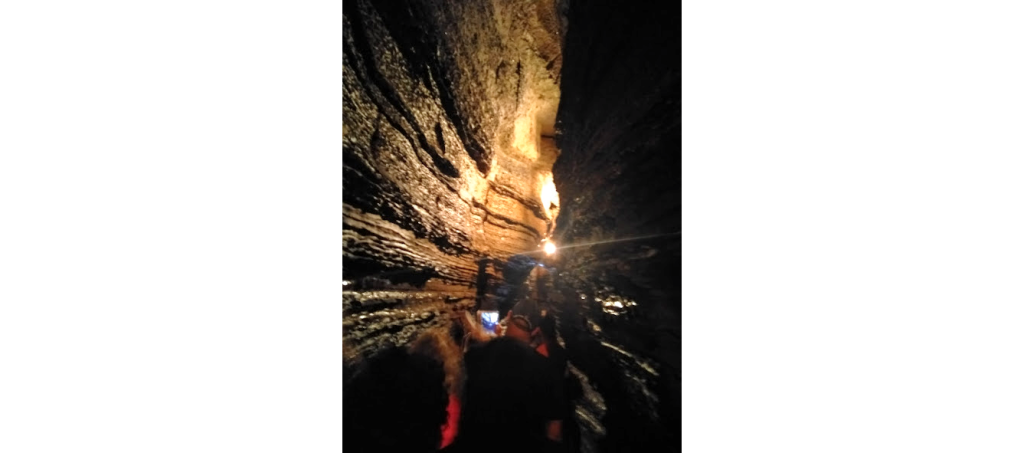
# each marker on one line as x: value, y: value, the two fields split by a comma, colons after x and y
x: 475, y: 133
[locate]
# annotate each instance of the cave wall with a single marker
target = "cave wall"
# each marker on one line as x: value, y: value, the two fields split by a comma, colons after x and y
x: 620, y: 136
x: 448, y: 126
x: 618, y: 177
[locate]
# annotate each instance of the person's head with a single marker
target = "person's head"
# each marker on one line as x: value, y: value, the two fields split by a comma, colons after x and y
x: 394, y: 401
x: 506, y: 398
x: 548, y: 327
x: 524, y: 321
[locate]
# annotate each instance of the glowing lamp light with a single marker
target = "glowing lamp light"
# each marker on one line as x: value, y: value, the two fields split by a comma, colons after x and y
x: 549, y: 248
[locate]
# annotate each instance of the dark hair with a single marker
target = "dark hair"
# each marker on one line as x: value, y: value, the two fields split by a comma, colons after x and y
x: 394, y: 401
x: 458, y: 334
x: 547, y: 327
x: 529, y: 310
x: 506, y: 398
x: 438, y: 344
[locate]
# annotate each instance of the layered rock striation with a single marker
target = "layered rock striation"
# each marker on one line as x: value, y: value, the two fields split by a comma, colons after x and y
x: 449, y: 112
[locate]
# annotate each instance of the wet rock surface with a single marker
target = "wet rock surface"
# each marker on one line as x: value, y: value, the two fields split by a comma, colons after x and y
x: 618, y: 176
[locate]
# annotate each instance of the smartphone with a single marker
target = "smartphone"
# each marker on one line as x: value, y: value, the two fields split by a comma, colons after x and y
x: 489, y: 319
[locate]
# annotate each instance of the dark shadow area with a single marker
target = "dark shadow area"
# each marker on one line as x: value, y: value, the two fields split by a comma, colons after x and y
x: 515, y: 273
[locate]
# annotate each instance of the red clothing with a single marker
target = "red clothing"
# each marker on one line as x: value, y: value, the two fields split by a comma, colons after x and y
x: 543, y: 349
x: 450, y: 429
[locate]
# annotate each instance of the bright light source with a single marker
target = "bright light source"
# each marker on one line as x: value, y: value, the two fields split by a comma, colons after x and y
x: 549, y: 248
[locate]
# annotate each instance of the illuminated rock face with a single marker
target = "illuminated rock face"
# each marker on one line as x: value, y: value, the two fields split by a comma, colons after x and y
x: 449, y: 111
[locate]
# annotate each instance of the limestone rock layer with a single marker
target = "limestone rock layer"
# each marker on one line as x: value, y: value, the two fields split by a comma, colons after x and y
x: 449, y: 111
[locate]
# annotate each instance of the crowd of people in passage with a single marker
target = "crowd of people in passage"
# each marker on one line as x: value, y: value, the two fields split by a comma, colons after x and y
x: 464, y: 390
